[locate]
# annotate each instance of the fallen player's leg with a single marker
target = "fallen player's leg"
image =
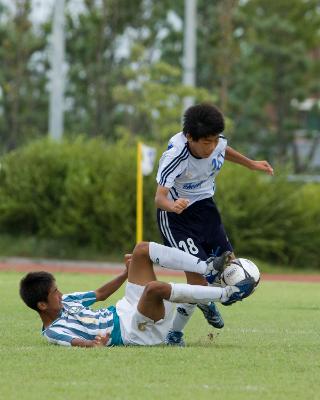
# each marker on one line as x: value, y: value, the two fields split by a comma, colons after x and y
x: 146, y: 311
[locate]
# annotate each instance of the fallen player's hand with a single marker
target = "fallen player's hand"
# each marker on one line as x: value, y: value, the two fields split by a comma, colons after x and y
x: 180, y: 205
x: 100, y: 341
x: 127, y: 260
x: 262, y: 166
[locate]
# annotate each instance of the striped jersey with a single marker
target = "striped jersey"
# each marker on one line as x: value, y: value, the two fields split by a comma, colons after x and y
x: 187, y: 176
x: 77, y: 320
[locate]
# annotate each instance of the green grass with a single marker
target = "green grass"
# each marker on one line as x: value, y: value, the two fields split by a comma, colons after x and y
x: 269, y: 349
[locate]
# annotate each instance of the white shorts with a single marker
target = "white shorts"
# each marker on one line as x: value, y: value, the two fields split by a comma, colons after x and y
x: 136, y: 329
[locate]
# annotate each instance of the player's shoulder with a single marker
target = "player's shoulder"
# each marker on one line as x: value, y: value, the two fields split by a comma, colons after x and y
x: 79, y: 297
x: 223, y: 138
x: 223, y: 142
x: 177, y: 143
x: 71, y: 296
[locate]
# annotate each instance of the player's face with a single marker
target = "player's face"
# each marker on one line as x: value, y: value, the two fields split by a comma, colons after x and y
x: 203, y: 147
x: 54, y: 302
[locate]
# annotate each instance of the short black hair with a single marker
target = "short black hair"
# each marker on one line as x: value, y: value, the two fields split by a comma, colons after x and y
x: 203, y: 120
x: 35, y: 287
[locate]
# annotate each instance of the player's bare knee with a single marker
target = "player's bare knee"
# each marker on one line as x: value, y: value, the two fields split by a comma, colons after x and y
x: 141, y: 249
x: 154, y: 289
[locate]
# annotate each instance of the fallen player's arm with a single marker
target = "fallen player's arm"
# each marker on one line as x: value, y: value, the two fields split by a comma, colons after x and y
x: 98, y: 341
x: 238, y: 158
x: 109, y: 288
x: 166, y: 204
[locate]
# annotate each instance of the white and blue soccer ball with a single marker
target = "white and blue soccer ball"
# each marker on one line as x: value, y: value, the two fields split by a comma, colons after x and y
x: 238, y: 270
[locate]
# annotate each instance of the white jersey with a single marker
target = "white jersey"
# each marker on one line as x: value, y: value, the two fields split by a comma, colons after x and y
x: 187, y: 176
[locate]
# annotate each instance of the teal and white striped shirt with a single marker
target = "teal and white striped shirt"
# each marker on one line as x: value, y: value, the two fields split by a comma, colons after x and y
x: 77, y: 321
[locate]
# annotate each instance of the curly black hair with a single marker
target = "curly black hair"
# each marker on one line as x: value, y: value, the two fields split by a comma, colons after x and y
x: 35, y: 287
x: 203, y: 120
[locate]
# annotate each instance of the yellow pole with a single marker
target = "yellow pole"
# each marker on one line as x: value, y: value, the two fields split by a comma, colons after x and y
x: 139, y: 216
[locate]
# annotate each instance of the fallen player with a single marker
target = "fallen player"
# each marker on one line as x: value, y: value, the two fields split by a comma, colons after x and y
x: 143, y: 316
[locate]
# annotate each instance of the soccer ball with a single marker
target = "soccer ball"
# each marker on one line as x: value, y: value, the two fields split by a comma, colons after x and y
x: 240, y: 269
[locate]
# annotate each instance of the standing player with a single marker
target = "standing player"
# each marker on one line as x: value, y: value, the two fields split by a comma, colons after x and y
x: 187, y: 215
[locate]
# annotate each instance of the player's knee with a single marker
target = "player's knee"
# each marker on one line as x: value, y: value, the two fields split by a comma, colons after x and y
x: 154, y: 289
x: 141, y: 249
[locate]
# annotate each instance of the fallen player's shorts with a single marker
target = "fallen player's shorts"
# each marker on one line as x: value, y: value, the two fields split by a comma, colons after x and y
x: 136, y: 329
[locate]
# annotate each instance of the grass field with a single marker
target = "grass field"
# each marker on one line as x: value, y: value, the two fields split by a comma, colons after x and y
x: 269, y: 349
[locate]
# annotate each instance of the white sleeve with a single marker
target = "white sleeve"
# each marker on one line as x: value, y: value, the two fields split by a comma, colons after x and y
x: 171, y: 164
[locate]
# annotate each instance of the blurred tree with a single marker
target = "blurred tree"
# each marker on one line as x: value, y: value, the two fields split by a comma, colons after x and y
x: 124, y: 68
x: 258, y: 56
x: 95, y: 49
x: 275, y: 67
x: 23, y: 100
x: 152, y: 97
x: 101, y: 50
x: 217, y: 52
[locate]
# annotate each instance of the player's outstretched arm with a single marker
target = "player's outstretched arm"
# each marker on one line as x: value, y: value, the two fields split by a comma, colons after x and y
x: 238, y: 158
x: 165, y: 204
x: 110, y: 287
x: 98, y: 341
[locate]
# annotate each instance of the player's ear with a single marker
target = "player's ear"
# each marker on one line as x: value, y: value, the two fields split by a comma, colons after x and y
x: 42, y: 305
x: 189, y: 137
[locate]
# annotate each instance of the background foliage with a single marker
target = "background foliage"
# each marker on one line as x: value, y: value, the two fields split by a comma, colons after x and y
x: 124, y: 68
x: 83, y: 191
x: 256, y: 59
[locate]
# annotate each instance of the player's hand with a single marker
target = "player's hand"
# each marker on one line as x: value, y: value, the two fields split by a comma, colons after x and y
x: 262, y: 166
x: 180, y: 205
x: 100, y: 341
x: 127, y: 260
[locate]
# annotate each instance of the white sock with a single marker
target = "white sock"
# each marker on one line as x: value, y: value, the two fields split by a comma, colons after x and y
x: 182, y: 316
x: 170, y: 257
x: 184, y: 293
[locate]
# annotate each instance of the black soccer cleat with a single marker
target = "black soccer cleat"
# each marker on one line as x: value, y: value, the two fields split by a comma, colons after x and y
x: 216, y: 265
x: 212, y: 315
x: 174, y: 338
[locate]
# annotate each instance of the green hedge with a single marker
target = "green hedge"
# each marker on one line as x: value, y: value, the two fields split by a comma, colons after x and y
x: 84, y: 191
x: 270, y: 218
